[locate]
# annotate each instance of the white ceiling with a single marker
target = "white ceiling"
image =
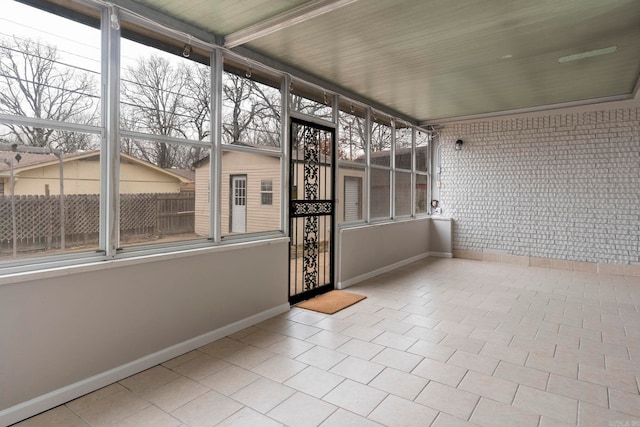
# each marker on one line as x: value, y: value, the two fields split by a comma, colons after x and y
x: 434, y: 60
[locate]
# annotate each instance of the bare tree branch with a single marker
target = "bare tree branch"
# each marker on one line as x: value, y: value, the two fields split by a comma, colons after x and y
x: 34, y: 83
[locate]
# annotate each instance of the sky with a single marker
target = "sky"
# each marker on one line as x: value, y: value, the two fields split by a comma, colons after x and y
x: 78, y: 44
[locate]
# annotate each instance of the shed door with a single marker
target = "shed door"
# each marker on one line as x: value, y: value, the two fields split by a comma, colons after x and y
x: 238, y: 203
x: 352, y: 198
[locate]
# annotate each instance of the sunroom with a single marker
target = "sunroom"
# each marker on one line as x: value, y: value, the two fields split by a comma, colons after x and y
x: 177, y: 176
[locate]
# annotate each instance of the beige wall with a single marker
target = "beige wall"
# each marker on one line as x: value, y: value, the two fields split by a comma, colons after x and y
x: 83, y: 177
x: 202, y: 200
x: 257, y: 168
x: 58, y: 331
x: 135, y: 179
x: 440, y: 236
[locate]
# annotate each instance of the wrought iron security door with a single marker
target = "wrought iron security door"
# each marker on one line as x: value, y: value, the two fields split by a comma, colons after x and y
x: 311, y: 210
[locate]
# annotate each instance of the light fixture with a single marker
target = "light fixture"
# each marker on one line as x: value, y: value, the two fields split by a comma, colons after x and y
x: 458, y: 145
x: 115, y: 22
x: 589, y: 54
x: 186, y: 52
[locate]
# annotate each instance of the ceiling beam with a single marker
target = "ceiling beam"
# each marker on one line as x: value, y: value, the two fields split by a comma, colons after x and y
x: 155, y: 16
x: 304, y: 12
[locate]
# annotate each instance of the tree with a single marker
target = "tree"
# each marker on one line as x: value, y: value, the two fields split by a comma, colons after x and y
x: 352, y: 138
x: 167, y: 98
x: 267, y: 115
x: 310, y: 107
x: 237, y: 119
x: 35, y: 83
x: 152, y: 92
x: 197, y: 104
x: 380, y: 136
x: 251, y: 112
x: 198, y: 108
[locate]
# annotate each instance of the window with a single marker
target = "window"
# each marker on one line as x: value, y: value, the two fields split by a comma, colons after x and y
x: 380, y: 193
x: 165, y: 133
x: 250, y: 112
x: 421, y: 195
x: 403, y: 167
x: 50, y: 76
x: 164, y: 176
x: 380, y: 141
x: 422, y: 151
x: 402, y: 195
x: 403, y: 154
x: 380, y: 155
x: 266, y: 192
x: 352, y: 199
x: 252, y: 148
x: 422, y: 172
x: 311, y: 103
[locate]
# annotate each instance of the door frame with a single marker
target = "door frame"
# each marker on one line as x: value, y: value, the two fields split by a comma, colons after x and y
x: 232, y: 197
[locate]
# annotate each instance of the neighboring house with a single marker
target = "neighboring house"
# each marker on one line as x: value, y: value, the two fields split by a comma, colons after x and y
x: 251, y: 193
x: 39, y: 174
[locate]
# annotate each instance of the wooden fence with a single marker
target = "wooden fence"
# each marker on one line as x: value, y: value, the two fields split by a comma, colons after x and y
x: 38, y: 219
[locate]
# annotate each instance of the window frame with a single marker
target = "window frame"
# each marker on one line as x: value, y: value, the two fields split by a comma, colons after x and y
x: 264, y: 192
x: 91, y: 19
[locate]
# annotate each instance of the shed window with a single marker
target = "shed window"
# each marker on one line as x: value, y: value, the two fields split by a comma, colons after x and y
x: 266, y: 192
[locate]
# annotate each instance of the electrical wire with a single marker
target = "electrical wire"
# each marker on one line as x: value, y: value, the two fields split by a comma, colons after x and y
x: 189, y: 38
x: 44, y: 58
x: 78, y: 92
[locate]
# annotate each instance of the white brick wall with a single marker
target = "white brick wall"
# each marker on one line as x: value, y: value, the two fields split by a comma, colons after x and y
x: 563, y: 186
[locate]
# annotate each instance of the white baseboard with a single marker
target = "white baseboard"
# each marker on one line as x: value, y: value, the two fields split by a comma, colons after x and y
x: 441, y: 254
x: 62, y: 395
x: 379, y: 271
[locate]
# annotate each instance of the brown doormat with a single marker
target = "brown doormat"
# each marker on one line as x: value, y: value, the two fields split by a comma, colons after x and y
x: 331, y: 302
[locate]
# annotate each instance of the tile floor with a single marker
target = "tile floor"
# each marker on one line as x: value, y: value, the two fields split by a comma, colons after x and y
x: 441, y: 342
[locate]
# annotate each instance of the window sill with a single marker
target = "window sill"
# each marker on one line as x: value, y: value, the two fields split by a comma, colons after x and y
x: 101, y: 263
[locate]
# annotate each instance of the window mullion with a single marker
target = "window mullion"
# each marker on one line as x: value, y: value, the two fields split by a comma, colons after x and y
x: 215, y: 158
x: 392, y: 164
x: 110, y: 150
x: 413, y: 172
x: 285, y: 158
x: 367, y: 154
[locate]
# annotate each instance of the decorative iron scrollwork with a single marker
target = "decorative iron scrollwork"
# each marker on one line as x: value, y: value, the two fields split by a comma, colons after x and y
x: 311, y: 193
x: 311, y: 163
x: 310, y: 253
x: 307, y: 208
